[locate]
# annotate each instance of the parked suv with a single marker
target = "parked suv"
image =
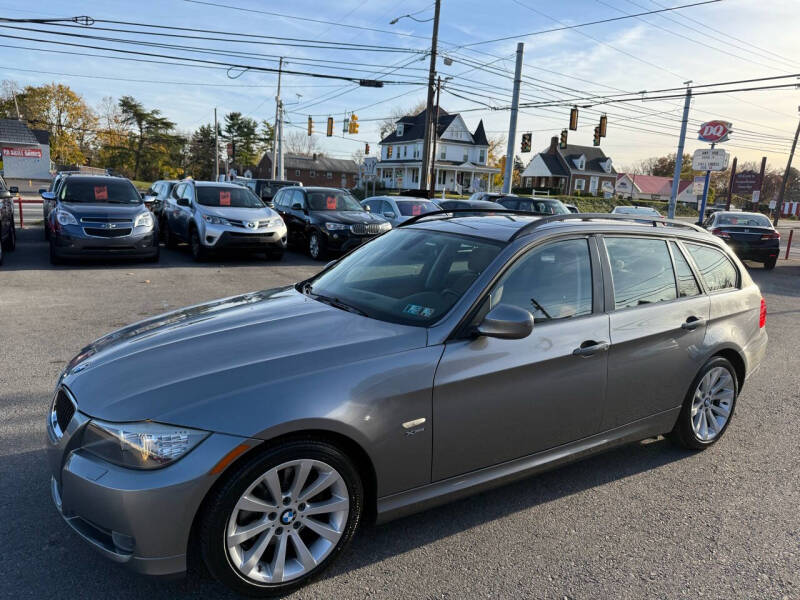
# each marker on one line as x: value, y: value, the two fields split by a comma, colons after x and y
x: 213, y: 216
x: 265, y: 188
x: 448, y: 356
x: 8, y: 233
x: 397, y: 209
x: 99, y: 216
x: 48, y: 200
x: 326, y: 219
x: 157, y: 195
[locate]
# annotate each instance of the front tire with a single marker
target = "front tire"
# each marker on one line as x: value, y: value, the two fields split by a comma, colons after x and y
x: 281, y: 517
x: 55, y: 259
x: 708, y: 407
x: 316, y: 246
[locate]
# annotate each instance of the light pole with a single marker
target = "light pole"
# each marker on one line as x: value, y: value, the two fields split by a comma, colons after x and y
x: 779, y: 205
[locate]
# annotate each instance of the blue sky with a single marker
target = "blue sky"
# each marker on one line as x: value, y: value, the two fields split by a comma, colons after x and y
x: 729, y: 40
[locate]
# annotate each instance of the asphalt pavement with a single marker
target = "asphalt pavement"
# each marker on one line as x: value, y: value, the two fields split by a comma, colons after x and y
x: 644, y: 521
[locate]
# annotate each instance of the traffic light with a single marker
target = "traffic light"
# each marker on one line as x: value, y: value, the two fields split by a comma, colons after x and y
x: 573, y: 118
x: 353, y: 124
x: 597, y: 136
x: 310, y: 126
x: 330, y: 127
x: 366, y: 148
x: 526, y: 143
x: 563, y: 143
x: 603, y: 125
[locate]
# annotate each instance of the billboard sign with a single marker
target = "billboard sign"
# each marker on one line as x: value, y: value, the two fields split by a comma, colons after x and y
x: 746, y: 181
x: 23, y: 152
x: 707, y: 159
x: 714, y: 131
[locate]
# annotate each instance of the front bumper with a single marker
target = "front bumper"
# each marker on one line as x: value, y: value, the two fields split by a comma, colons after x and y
x: 70, y: 241
x: 343, y: 241
x: 223, y: 236
x: 141, y: 519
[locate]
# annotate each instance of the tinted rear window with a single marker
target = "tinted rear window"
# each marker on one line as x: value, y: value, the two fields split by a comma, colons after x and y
x: 744, y: 220
x: 715, y: 268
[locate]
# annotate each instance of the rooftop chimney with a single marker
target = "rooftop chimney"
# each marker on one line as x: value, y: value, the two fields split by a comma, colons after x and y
x: 553, y: 145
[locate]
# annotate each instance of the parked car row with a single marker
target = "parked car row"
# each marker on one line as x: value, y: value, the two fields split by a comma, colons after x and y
x: 8, y: 234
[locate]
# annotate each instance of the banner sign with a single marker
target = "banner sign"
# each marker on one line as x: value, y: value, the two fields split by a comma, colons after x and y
x: 707, y: 159
x: 714, y: 131
x: 746, y: 181
x: 23, y: 152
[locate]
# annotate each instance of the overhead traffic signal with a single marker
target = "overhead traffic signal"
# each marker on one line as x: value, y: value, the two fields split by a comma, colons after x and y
x: 329, y: 133
x: 353, y: 128
x: 366, y: 148
x: 603, y: 125
x: 563, y: 142
x: 310, y: 126
x: 597, y: 136
x: 525, y: 146
x: 573, y: 118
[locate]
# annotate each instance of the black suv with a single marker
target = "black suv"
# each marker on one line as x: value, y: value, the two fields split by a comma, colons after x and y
x: 326, y: 219
x: 8, y: 235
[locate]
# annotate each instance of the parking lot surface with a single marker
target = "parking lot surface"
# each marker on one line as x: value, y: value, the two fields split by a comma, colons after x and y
x: 644, y: 521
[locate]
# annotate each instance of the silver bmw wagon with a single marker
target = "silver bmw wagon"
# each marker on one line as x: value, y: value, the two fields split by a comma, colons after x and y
x: 450, y: 355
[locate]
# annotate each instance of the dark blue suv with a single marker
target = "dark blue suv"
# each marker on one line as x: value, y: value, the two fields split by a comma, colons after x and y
x: 100, y: 216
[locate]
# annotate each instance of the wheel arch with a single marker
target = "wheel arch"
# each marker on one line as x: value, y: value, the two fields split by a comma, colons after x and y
x: 737, y: 360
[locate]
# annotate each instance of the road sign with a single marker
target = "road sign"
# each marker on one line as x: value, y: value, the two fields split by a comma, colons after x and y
x: 370, y: 164
x: 698, y: 184
x: 714, y: 131
x: 708, y: 159
x: 746, y: 182
x: 773, y: 203
x: 756, y: 196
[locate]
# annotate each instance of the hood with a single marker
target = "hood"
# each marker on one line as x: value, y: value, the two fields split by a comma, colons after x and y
x: 171, y: 363
x: 101, y: 210
x: 239, y: 214
x: 348, y: 216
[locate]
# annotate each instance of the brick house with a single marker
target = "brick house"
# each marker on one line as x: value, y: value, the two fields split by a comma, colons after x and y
x: 572, y: 170
x: 316, y: 169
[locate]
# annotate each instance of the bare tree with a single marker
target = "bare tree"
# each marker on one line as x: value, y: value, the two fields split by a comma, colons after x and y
x: 358, y: 156
x: 299, y: 142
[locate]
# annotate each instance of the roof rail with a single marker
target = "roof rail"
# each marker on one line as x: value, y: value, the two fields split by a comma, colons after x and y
x: 655, y: 221
x: 455, y: 211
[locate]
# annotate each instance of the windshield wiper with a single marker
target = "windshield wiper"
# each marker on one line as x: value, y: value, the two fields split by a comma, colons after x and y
x: 540, y: 308
x: 335, y: 302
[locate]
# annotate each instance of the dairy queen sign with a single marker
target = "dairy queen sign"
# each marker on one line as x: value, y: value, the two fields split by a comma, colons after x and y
x: 714, y: 131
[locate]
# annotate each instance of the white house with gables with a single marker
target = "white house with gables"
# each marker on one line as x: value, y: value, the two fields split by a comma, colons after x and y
x: 461, y: 155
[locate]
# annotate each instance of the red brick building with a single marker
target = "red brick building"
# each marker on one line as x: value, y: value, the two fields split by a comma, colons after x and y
x: 316, y: 169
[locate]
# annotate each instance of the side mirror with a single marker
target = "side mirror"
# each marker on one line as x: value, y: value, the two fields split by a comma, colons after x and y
x: 389, y: 214
x: 42, y: 191
x: 367, y: 208
x: 5, y: 194
x: 506, y: 322
x: 183, y: 202
x: 297, y: 206
x: 14, y: 189
x: 48, y: 196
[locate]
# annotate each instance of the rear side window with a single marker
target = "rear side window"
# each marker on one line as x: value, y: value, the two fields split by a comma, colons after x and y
x: 551, y: 282
x: 687, y: 284
x: 715, y: 268
x: 641, y: 270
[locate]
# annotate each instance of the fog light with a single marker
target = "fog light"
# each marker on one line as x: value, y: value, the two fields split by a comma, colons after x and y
x: 123, y: 542
x: 209, y: 239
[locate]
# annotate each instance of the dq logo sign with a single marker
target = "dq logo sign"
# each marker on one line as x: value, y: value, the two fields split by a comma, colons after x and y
x: 714, y: 131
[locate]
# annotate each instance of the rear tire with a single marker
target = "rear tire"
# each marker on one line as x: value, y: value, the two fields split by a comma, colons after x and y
x: 770, y: 263
x: 708, y: 407
x: 292, y: 544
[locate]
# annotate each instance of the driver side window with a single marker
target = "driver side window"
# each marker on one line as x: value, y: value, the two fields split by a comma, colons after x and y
x: 553, y: 281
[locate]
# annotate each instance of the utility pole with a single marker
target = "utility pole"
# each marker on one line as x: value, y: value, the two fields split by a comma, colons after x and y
x: 429, y: 127
x: 730, y: 184
x: 676, y: 178
x: 761, y: 180
x: 512, y: 123
x: 277, y: 117
x: 216, y: 147
x: 280, y: 173
x: 705, y: 194
x: 432, y: 179
x: 779, y: 205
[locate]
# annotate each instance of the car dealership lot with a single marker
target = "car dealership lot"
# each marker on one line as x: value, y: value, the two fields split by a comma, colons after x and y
x: 645, y: 520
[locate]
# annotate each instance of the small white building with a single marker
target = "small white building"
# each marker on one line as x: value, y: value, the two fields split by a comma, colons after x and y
x: 461, y: 155
x: 652, y: 187
x: 25, y: 151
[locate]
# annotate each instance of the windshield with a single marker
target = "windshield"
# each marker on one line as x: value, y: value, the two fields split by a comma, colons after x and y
x: 407, y: 276
x: 233, y: 196
x: 413, y: 208
x: 744, y: 220
x: 332, y: 200
x: 102, y: 190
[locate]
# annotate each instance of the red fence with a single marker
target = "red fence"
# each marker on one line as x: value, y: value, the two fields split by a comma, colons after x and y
x: 20, y: 202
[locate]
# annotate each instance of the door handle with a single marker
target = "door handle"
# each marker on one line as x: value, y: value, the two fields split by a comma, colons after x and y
x: 590, y: 347
x: 692, y: 323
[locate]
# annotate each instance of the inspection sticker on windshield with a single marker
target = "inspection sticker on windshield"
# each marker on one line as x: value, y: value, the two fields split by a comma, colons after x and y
x: 100, y: 192
x: 224, y: 198
x: 418, y: 311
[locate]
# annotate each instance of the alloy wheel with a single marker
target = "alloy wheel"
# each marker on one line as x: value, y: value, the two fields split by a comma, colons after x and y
x: 287, y: 521
x: 313, y: 245
x: 712, y: 403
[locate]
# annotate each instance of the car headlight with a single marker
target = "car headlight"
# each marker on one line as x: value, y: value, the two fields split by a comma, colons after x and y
x: 144, y: 220
x: 336, y: 226
x: 65, y: 218
x: 214, y: 220
x: 385, y: 226
x: 140, y: 445
x: 274, y: 222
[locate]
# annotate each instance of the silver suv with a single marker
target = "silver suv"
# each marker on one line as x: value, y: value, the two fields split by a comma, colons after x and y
x: 444, y: 357
x: 213, y: 216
